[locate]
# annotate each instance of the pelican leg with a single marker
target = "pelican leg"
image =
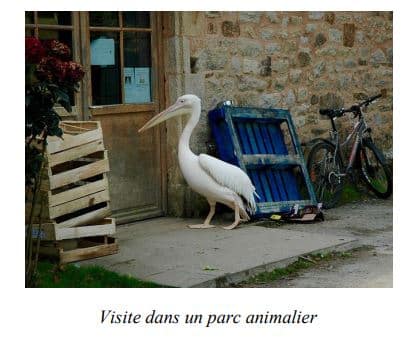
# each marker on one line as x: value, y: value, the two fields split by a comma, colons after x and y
x: 206, y: 223
x: 237, y: 218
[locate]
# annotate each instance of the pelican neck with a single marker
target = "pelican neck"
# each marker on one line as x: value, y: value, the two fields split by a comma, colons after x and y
x: 184, y: 141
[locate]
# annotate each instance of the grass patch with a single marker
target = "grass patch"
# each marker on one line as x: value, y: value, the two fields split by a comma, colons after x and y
x: 304, y: 262
x: 351, y: 194
x: 49, y: 275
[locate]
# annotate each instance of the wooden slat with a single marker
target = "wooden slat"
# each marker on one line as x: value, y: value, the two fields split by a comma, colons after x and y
x: 76, y: 152
x: 256, y: 113
x: 80, y: 173
x: 82, y: 126
x: 88, y: 253
x: 270, y: 159
x: 56, y: 144
x: 77, y: 192
x: 78, y: 204
x: 122, y: 108
x: 86, y: 218
x: 84, y: 231
x: 91, y: 125
x: 107, y: 228
x: 280, y: 205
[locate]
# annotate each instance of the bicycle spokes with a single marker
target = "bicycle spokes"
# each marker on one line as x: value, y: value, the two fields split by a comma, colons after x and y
x: 325, y: 174
x: 373, y: 170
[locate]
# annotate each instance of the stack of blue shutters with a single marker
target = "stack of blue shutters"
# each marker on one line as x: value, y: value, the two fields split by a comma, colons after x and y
x: 252, y: 139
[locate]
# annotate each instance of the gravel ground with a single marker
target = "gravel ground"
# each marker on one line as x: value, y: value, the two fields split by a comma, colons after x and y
x: 371, y: 266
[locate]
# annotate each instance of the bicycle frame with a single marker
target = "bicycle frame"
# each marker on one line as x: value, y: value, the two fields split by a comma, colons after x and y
x: 359, y: 129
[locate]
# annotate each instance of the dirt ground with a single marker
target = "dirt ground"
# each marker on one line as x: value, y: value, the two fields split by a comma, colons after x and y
x: 370, y: 266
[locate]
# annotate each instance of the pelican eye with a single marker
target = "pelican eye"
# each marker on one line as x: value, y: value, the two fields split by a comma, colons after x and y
x: 182, y: 100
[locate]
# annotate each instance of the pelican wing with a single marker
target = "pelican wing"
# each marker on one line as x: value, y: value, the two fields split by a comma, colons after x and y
x: 231, y: 177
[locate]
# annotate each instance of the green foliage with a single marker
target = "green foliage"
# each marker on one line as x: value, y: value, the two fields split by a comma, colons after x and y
x: 70, y: 276
x: 351, y: 194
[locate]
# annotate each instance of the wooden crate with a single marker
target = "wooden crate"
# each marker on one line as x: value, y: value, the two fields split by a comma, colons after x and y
x: 73, y: 223
x: 73, y: 250
x: 74, y: 184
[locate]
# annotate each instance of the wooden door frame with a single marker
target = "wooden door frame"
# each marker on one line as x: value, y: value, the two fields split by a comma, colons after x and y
x: 158, y: 90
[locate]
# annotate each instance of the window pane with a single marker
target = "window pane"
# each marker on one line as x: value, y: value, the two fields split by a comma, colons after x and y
x: 136, y: 19
x: 29, y: 17
x: 103, y: 19
x: 105, y: 68
x: 55, y: 18
x: 29, y: 32
x: 137, y: 67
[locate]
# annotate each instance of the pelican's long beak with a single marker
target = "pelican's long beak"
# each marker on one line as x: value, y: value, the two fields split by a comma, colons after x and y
x: 161, y: 117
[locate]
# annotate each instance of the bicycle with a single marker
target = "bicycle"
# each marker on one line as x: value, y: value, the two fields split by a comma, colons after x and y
x: 325, y: 160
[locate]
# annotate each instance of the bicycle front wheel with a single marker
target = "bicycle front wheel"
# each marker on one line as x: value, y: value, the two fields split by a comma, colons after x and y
x: 325, y: 170
x: 374, y: 171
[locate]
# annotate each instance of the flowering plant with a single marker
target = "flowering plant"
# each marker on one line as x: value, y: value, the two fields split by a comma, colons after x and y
x: 51, y: 77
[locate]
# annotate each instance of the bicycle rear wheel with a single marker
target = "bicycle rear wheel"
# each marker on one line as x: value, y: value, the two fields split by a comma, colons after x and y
x: 325, y: 171
x: 374, y: 170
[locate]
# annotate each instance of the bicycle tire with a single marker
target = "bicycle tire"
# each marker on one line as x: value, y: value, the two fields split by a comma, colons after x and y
x: 374, y: 170
x: 323, y: 171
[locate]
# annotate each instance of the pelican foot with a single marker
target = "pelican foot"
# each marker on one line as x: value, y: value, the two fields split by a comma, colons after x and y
x: 201, y: 226
x: 232, y: 226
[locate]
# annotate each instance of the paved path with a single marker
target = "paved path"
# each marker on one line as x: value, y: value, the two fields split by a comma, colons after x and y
x: 371, y: 223
x: 165, y: 251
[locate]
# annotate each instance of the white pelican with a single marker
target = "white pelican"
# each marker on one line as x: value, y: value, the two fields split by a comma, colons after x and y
x: 214, y: 179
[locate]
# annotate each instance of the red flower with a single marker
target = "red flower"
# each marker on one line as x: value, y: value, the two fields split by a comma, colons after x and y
x: 51, y: 69
x: 34, y: 50
x: 74, y: 72
x: 58, y: 49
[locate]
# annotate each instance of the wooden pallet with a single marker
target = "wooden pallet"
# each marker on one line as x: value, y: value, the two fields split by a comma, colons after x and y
x: 264, y: 143
x: 73, y: 250
x: 74, y: 184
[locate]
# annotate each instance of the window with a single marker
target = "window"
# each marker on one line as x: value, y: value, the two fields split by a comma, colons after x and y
x: 50, y: 25
x: 120, y: 57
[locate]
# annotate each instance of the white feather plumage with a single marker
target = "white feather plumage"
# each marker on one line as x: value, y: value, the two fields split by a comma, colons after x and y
x: 230, y: 176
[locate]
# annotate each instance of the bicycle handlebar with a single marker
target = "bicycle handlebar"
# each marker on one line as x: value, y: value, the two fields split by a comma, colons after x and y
x: 370, y: 100
x: 354, y: 108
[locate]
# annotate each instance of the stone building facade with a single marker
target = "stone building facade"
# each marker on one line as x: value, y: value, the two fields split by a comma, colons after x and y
x: 300, y: 61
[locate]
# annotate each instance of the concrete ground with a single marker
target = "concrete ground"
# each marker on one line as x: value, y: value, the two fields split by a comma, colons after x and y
x: 165, y: 251
x: 372, y: 266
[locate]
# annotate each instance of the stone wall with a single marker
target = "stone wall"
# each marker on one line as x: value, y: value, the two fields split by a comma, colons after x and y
x: 301, y: 61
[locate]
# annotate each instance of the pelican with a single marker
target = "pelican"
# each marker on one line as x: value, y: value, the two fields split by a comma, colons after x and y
x: 217, y: 181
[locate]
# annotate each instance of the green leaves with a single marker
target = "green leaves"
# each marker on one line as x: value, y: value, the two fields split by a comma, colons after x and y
x: 32, y: 164
x: 63, y: 98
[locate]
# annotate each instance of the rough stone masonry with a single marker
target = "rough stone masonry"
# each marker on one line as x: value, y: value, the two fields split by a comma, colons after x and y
x: 301, y: 61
